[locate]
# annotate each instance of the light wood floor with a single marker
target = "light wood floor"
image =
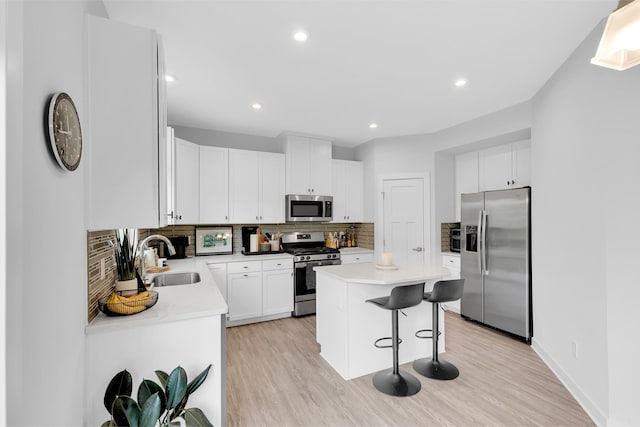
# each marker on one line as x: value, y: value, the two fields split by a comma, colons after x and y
x: 276, y: 377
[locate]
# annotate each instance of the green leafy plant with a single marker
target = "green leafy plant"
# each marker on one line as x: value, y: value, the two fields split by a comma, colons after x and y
x: 124, y: 252
x: 157, y: 404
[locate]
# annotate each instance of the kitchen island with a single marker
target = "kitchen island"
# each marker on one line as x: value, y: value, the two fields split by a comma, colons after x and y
x: 347, y: 326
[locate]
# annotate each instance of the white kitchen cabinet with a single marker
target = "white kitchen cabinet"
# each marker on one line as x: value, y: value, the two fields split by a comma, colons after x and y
x: 219, y: 273
x: 124, y: 126
x: 348, y: 191
x: 256, y: 187
x: 272, y: 187
x: 356, y: 258
x: 496, y: 168
x: 259, y: 290
x: 187, y: 186
x: 244, y: 293
x: 521, y: 162
x: 466, y: 177
x: 452, y: 263
x: 214, y: 185
x: 505, y: 166
x: 277, y: 291
x: 308, y: 165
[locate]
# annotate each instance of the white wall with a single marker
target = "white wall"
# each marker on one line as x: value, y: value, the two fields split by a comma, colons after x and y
x: 585, y: 206
x: 3, y: 228
x: 419, y: 153
x: 46, y: 269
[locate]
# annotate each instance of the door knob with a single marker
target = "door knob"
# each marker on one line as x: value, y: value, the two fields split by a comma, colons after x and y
x: 418, y: 249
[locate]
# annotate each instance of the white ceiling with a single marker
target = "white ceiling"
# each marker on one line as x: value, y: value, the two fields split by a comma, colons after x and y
x: 391, y: 62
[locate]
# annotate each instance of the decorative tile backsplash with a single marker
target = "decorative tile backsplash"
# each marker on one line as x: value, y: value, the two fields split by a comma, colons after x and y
x: 98, y: 248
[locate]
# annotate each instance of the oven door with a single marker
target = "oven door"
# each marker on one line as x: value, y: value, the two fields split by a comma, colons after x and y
x: 305, y: 278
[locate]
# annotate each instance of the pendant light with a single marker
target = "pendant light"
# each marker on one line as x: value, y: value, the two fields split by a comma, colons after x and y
x: 619, y: 47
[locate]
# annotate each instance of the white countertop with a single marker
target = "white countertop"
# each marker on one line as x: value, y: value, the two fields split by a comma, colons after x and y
x: 175, y: 303
x: 368, y: 273
x: 355, y: 250
x: 455, y: 254
x: 238, y: 257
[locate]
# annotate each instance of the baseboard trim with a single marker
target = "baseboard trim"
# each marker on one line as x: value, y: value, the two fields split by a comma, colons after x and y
x: 583, y: 400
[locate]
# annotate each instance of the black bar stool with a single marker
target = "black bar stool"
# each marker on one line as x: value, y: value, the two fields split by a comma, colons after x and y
x: 443, y: 291
x: 393, y: 381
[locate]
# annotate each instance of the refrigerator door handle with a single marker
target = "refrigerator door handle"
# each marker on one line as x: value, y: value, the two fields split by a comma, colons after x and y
x: 479, y: 242
x: 484, y: 243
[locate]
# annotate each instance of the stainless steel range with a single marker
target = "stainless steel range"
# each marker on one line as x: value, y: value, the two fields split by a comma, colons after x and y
x: 309, y: 251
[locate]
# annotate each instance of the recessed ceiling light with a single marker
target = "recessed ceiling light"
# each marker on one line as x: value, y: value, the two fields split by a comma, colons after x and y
x: 373, y: 125
x: 460, y: 82
x: 256, y: 106
x: 300, y: 36
x: 169, y: 78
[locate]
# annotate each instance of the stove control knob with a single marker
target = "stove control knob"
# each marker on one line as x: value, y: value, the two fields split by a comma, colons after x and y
x: 335, y: 255
x: 329, y: 256
x: 308, y: 257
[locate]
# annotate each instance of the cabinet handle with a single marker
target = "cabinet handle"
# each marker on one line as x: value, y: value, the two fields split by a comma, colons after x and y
x: 245, y: 275
x: 226, y: 217
x: 513, y: 182
x: 256, y: 216
x: 347, y: 216
x: 278, y: 264
x: 260, y: 216
x: 246, y: 266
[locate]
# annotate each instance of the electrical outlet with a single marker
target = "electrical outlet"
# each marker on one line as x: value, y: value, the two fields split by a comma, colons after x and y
x: 102, y: 267
x: 574, y: 349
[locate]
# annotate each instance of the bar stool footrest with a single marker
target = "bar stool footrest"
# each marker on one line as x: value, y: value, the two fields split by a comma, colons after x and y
x: 386, y: 346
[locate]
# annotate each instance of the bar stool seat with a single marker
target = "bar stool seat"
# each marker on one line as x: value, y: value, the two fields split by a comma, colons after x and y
x: 443, y: 291
x: 393, y: 381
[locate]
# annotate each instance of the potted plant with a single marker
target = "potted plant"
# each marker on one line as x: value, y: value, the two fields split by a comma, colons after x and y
x: 160, y: 405
x: 124, y: 252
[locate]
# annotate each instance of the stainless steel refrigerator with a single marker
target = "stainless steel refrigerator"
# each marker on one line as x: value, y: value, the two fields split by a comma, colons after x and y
x: 495, y: 253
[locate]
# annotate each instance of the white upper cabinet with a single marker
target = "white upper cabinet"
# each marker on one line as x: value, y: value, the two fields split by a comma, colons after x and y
x: 214, y: 185
x: 187, y: 177
x: 272, y: 187
x: 256, y: 187
x: 496, y: 168
x: 308, y: 165
x: 505, y: 166
x: 521, y: 161
x: 466, y: 176
x: 124, y: 126
x: 348, y: 191
x: 244, y: 190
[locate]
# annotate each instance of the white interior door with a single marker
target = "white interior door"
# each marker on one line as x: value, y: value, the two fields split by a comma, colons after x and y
x: 403, y: 220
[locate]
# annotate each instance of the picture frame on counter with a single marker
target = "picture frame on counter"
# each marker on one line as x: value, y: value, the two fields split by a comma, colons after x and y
x: 214, y: 240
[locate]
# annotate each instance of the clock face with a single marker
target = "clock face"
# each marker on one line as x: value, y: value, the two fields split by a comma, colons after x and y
x: 65, y: 135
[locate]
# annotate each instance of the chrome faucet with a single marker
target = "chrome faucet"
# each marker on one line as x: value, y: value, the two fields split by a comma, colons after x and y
x: 143, y: 246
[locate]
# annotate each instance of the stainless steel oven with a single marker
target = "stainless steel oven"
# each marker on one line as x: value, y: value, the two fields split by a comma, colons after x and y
x: 305, y: 285
x: 454, y: 242
x: 309, y: 251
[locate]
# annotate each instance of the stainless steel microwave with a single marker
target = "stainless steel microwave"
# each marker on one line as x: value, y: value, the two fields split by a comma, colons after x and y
x: 302, y: 207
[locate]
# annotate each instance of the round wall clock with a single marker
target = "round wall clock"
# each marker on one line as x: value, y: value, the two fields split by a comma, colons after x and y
x: 65, y: 135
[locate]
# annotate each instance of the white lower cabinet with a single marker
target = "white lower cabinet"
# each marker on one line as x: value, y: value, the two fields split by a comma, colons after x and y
x: 259, y: 290
x: 356, y: 258
x: 452, y: 263
x: 277, y: 292
x: 245, y: 295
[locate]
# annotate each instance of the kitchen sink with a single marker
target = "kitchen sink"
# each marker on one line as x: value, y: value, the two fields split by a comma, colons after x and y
x: 172, y: 279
